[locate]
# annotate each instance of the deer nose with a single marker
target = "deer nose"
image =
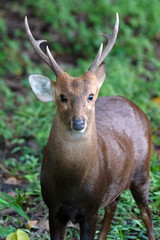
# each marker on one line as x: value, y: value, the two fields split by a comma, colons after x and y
x: 78, y: 124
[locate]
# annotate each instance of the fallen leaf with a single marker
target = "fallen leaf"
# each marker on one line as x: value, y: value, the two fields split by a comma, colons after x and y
x: 13, y: 181
x: 32, y: 223
x: 19, y: 235
x: 43, y: 224
x: 22, y: 235
x: 12, y: 236
x: 156, y: 100
x: 28, y: 226
x: 12, y: 194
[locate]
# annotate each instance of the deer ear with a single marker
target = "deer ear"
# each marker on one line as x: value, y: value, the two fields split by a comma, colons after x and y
x: 101, y: 74
x: 42, y: 87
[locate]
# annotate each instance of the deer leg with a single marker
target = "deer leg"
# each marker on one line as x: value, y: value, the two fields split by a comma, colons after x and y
x: 57, y: 227
x: 109, y: 214
x: 88, y: 227
x: 140, y: 192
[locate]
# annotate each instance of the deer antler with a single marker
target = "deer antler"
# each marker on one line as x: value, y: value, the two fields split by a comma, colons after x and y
x: 102, y: 55
x: 47, y: 58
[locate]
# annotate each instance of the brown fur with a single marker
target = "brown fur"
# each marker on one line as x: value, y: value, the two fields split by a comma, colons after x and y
x: 96, y: 149
x: 82, y: 172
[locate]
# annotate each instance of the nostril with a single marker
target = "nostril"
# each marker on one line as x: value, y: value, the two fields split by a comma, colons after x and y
x: 78, y: 124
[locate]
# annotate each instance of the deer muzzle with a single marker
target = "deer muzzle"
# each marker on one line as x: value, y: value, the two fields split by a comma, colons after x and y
x: 78, y: 124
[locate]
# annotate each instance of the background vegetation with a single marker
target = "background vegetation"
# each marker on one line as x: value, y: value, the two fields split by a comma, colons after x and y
x: 133, y: 70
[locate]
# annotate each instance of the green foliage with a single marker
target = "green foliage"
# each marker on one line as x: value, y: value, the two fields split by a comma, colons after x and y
x: 11, y: 202
x: 6, y: 230
x: 6, y: 202
x: 80, y: 22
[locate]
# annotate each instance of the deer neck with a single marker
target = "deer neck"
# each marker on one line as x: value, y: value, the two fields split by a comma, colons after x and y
x: 77, y: 149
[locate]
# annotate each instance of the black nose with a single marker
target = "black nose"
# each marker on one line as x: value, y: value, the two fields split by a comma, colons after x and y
x: 78, y: 124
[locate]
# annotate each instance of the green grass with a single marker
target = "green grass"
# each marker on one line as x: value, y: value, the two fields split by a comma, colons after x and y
x: 133, y: 71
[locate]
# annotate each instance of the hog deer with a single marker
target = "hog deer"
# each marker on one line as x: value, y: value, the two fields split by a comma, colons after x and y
x: 97, y: 148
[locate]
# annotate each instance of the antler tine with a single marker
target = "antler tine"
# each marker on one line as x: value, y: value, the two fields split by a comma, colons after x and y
x: 97, y: 59
x: 111, y: 42
x: 55, y: 66
x: 36, y: 45
x: 111, y: 39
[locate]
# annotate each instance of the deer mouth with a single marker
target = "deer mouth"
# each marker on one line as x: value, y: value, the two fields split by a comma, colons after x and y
x: 79, y: 131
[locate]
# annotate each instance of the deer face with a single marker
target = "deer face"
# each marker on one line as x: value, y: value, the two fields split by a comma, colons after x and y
x: 75, y: 97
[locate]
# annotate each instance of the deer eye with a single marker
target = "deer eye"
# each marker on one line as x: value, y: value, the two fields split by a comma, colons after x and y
x: 63, y: 98
x: 90, y: 98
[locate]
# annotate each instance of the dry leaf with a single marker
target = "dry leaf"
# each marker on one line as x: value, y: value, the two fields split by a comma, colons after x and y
x: 157, y: 100
x: 43, y: 224
x: 28, y: 226
x: 31, y: 223
x: 13, y: 181
x: 12, y: 194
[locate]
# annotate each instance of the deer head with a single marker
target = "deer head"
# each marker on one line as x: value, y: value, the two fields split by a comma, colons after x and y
x: 74, y: 96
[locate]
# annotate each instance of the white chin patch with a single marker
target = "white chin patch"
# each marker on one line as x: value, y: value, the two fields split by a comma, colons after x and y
x: 81, y: 131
